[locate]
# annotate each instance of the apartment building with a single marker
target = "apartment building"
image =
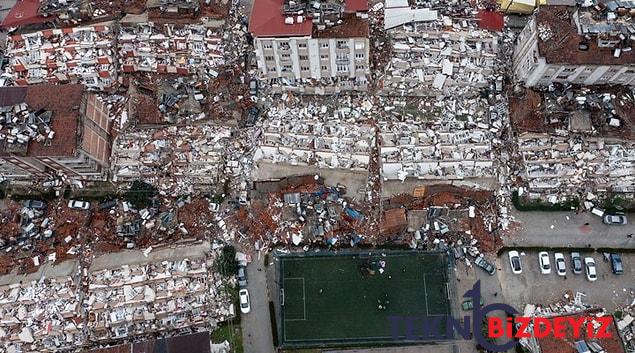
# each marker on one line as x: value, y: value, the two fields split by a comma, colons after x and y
x: 312, y: 48
x: 63, y: 55
x: 52, y: 130
x: 580, y: 46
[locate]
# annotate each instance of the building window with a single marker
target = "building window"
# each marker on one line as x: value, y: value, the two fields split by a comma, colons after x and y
x: 342, y: 68
x: 267, y: 45
x: 342, y: 44
x: 324, y: 56
x: 286, y: 68
x: 268, y: 58
x: 342, y: 57
x: 272, y: 69
x: 284, y: 46
x: 359, y: 55
x: 304, y: 57
x: 285, y: 56
x: 304, y: 68
x: 324, y: 68
x: 324, y: 44
x: 360, y: 67
x: 302, y: 45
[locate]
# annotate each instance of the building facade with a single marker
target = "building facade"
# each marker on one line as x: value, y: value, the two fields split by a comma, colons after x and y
x: 312, y: 54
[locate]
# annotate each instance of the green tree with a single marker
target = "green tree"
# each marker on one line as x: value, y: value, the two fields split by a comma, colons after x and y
x: 140, y: 194
x: 226, y: 262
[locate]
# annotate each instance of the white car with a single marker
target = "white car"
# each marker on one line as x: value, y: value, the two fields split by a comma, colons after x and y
x: 514, y: 261
x: 83, y: 205
x: 543, y: 260
x: 243, y: 294
x: 591, y: 272
x: 561, y: 267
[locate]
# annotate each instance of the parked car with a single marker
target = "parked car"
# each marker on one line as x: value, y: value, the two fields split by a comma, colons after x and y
x: 485, y: 265
x: 618, y: 219
x: 576, y: 263
x: 543, y: 260
x: 561, y: 266
x: 591, y: 271
x: 616, y: 264
x: 253, y: 87
x: 469, y: 304
x: 242, y: 277
x: 83, y: 205
x: 36, y: 204
x: 245, y: 307
x: 107, y: 204
x: 514, y: 261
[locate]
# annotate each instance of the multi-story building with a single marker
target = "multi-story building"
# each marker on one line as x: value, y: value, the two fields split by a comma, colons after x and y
x: 309, y: 48
x: 569, y: 45
x: 63, y: 55
x: 52, y: 130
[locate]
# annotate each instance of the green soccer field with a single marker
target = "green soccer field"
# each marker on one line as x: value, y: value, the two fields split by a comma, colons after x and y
x: 345, y: 298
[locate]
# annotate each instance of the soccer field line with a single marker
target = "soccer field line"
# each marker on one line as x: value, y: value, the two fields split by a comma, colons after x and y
x: 303, y: 298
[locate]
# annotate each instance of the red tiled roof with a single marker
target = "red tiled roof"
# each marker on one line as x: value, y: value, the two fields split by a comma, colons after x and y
x: 267, y: 20
x: 24, y: 13
x: 491, y: 20
x: 356, y: 5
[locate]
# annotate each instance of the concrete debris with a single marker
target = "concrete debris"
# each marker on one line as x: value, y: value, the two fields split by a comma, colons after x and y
x: 66, y: 55
x: 169, y: 49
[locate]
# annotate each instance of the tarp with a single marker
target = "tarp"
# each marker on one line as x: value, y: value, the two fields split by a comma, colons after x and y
x: 518, y: 6
x: 24, y: 13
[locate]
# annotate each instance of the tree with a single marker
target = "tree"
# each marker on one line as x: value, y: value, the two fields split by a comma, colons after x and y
x: 226, y: 263
x: 140, y: 194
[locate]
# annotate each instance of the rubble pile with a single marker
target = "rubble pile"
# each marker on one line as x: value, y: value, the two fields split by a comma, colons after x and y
x: 170, y: 48
x: 436, y: 47
x: 19, y: 124
x: 309, y: 142
x: 42, y: 316
x: 137, y: 300
x: 308, y: 215
x: 177, y: 159
x: 578, y: 141
x: 66, y: 55
x: 428, y: 63
x: 439, y: 139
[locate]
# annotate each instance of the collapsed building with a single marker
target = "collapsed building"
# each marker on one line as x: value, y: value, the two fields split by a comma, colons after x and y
x: 577, y: 45
x: 576, y: 141
x: 325, y: 144
x: 184, y: 157
x: 53, y: 130
x: 168, y: 295
x: 441, y: 140
x: 169, y: 48
x: 311, y: 46
x: 437, y: 52
x: 63, y: 55
x: 41, y: 315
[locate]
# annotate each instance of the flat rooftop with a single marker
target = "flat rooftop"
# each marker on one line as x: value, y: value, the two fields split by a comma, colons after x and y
x: 560, y: 41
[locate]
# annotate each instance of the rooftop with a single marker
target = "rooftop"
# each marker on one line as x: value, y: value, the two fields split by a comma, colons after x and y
x: 559, y: 41
x: 63, y: 101
x: 267, y: 20
x: 277, y: 18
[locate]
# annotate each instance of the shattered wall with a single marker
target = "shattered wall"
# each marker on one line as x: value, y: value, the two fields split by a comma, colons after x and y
x: 67, y: 55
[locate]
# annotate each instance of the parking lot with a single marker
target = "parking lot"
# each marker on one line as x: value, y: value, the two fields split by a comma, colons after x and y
x: 531, y: 286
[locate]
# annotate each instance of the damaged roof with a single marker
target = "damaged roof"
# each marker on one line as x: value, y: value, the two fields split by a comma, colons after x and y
x: 560, y: 43
x: 267, y: 20
x: 63, y: 101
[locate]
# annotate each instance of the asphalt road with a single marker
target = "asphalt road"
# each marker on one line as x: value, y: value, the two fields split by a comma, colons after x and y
x: 566, y: 229
x: 256, y: 325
